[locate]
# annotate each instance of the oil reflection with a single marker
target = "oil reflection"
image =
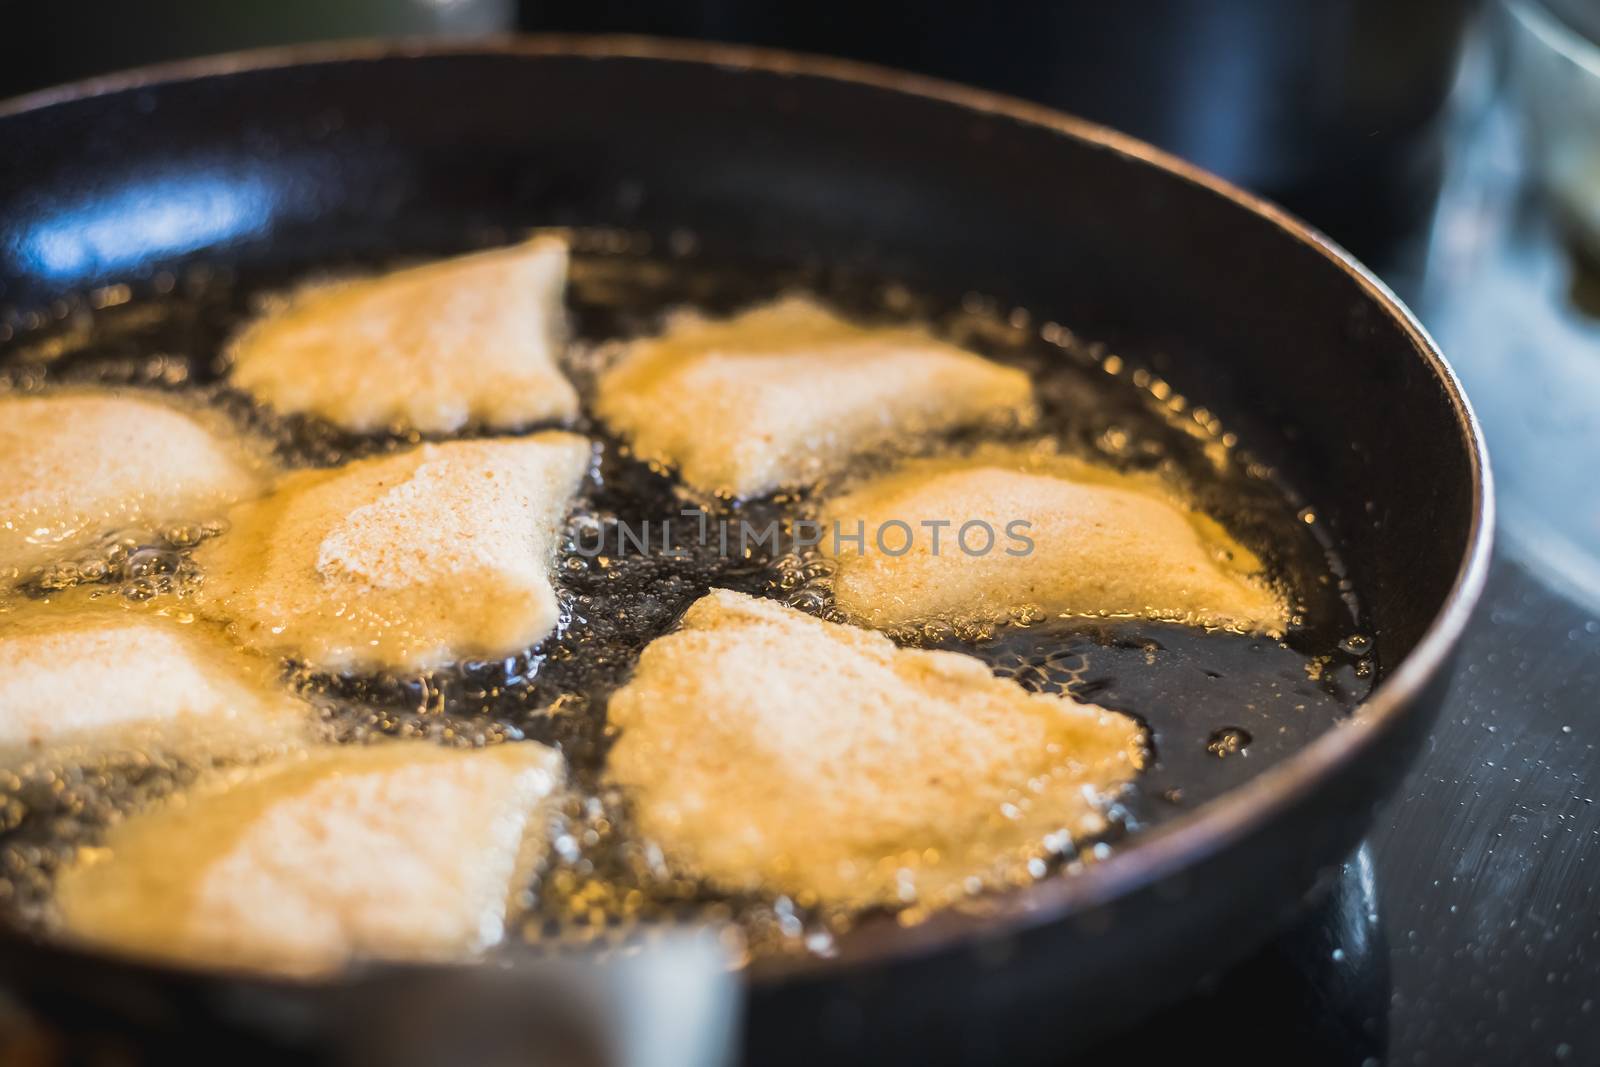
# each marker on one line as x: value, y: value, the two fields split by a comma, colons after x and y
x: 147, y: 218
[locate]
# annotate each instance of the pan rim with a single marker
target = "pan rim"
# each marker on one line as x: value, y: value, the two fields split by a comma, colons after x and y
x: 1185, y: 840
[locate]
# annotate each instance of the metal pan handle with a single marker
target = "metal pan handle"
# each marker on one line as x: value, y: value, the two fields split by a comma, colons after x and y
x: 672, y: 1003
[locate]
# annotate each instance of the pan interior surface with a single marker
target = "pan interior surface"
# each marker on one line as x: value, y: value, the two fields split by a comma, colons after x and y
x: 1220, y: 707
x: 131, y: 248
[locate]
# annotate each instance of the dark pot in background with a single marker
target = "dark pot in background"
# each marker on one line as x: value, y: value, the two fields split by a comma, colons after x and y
x: 1330, y: 107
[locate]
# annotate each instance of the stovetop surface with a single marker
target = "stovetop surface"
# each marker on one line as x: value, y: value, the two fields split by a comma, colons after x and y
x: 1488, y: 862
x: 1467, y: 930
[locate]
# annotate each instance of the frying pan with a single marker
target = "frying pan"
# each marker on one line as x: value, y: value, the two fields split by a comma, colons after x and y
x: 291, y: 158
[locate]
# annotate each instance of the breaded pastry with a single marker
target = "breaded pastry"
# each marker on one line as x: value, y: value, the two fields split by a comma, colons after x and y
x: 79, y: 464
x: 101, y: 679
x: 786, y: 392
x: 405, y: 561
x: 469, y: 339
x: 765, y: 749
x: 398, y: 850
x: 1067, y: 539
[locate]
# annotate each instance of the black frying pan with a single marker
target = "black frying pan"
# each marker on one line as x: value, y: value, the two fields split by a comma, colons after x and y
x: 284, y: 160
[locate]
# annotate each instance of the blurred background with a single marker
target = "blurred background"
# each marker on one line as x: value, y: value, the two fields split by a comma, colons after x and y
x: 1453, y: 146
x: 1332, y: 106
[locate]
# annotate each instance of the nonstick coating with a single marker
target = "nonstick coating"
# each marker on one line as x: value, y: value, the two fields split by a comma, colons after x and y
x: 345, y: 153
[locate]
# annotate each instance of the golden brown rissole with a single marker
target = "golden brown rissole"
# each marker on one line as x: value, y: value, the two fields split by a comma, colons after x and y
x: 1092, y: 542
x: 405, y: 561
x: 765, y: 749
x: 397, y: 850
x: 787, y: 392
x: 80, y: 463
x: 86, y: 679
x: 469, y: 339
